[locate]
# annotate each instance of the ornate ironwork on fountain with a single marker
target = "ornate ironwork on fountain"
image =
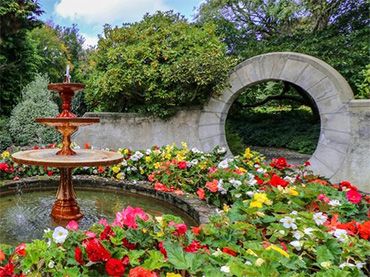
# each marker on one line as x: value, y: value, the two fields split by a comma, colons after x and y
x: 66, y: 206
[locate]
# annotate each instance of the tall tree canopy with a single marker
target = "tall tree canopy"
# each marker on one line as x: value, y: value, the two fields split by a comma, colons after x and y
x: 17, y: 60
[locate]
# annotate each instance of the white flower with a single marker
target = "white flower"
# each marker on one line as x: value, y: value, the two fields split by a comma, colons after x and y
x: 326, y: 264
x: 95, y: 171
x: 248, y: 263
x: 261, y: 170
x: 220, y: 188
x: 360, y: 265
x: 124, y: 162
x: 217, y: 253
x: 298, y: 235
x: 51, y: 264
x: 137, y: 156
x: 282, y: 232
x: 238, y: 195
x: 346, y: 264
x: 225, y: 269
x: 308, y: 231
x: 288, y: 222
x: 320, y: 218
x: 289, y: 179
x: 148, y: 151
x: 235, y: 183
x: 296, y: 244
x: 340, y: 234
x: 221, y: 150
x: 334, y: 203
x: 294, y: 213
x: 223, y: 164
x: 196, y: 150
x: 194, y: 162
x: 60, y: 234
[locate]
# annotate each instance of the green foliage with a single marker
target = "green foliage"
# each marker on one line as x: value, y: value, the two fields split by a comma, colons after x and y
x: 36, y: 102
x: 156, y: 65
x: 51, y: 53
x: 17, y: 60
x: 5, y: 138
x: 363, y: 85
x: 274, y: 127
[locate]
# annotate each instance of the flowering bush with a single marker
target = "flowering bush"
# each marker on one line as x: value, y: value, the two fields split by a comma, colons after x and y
x: 273, y: 219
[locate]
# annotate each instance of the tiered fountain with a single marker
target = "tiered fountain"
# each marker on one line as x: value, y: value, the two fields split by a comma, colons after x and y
x: 65, y: 207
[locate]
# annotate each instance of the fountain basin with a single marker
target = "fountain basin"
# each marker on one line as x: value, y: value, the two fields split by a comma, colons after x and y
x: 25, y: 204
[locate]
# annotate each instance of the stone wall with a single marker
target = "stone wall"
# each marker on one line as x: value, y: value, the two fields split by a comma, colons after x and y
x: 118, y: 130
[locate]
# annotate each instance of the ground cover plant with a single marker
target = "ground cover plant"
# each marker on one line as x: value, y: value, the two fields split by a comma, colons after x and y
x: 273, y: 220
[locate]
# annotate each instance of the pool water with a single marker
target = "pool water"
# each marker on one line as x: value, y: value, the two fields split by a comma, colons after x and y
x: 25, y: 216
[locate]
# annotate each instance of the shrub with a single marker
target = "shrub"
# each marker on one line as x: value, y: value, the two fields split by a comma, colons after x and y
x: 36, y: 102
x: 156, y: 65
x: 5, y: 138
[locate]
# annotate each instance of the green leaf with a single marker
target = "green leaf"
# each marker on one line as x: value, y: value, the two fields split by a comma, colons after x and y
x: 323, y: 254
x: 155, y: 260
x: 134, y: 256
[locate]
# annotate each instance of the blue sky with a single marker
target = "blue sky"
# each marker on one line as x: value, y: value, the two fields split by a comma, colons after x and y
x: 91, y: 15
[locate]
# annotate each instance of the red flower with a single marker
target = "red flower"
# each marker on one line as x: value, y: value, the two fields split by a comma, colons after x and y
x: 114, y: 267
x: 125, y: 260
x: 201, y: 194
x: 350, y: 227
x: 7, y: 270
x: 128, y: 217
x: 364, y: 230
x: 107, y: 233
x: 181, y: 165
x: 4, y: 167
x: 161, y: 187
x: 87, y: 146
x: 259, y: 180
x: 212, y: 170
x: 128, y: 245
x: 141, y: 272
x: 101, y: 169
x: 2, y: 256
x: 283, y: 245
x: 151, y: 177
x: 212, y: 186
x: 162, y: 249
x: 21, y: 249
x: 193, y: 247
x: 180, y: 228
x: 229, y: 251
x: 354, y: 196
x: 276, y: 181
x: 96, y: 251
x: 78, y: 256
x: 195, y: 230
x: 307, y: 163
x: 345, y: 185
x: 279, y: 163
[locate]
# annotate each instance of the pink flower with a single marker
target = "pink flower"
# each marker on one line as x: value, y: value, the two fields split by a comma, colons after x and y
x: 72, y: 225
x: 128, y: 217
x: 323, y: 197
x: 180, y: 228
x: 90, y: 234
x: 103, y: 222
x: 354, y: 196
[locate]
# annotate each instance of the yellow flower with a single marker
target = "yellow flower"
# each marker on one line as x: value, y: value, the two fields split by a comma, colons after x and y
x: 148, y: 159
x: 120, y: 175
x: 144, y: 230
x: 167, y: 156
x: 250, y: 163
x: 278, y: 249
x: 326, y: 264
x: 126, y: 151
x: 247, y: 153
x: 226, y: 208
x: 5, y: 154
x: 251, y: 252
x: 241, y: 169
x: 157, y: 165
x: 141, y: 170
x: 116, y: 169
x: 255, y: 204
x: 293, y: 192
x: 180, y: 157
x: 203, y: 165
x: 184, y: 145
x: 259, y: 261
x: 160, y: 234
x: 171, y: 274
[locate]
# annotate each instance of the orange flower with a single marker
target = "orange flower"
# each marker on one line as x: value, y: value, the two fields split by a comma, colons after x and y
x: 2, y: 256
x: 201, y: 194
x: 141, y: 272
x: 212, y: 186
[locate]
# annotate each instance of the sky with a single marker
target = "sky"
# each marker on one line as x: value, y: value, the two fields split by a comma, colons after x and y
x: 91, y: 15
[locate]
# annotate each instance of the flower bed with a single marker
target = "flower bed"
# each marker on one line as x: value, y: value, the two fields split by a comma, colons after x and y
x: 274, y: 219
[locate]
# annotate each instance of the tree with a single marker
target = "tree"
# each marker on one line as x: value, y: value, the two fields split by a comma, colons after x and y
x: 156, y: 65
x: 52, y: 54
x: 17, y: 60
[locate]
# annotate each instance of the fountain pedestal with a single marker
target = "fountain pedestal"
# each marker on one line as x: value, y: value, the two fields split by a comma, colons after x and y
x: 65, y: 207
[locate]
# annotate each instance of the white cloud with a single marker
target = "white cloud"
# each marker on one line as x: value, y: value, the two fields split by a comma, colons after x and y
x: 107, y: 11
x: 89, y: 40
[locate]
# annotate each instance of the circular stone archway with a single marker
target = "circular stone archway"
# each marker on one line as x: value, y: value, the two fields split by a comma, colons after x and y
x: 324, y: 84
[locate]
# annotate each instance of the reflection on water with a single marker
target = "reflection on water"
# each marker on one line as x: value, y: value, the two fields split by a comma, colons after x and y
x: 24, y: 216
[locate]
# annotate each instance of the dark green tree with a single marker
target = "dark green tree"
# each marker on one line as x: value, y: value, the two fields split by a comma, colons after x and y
x: 156, y: 65
x: 17, y: 56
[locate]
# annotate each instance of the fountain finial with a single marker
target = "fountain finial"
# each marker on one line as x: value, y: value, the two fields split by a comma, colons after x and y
x: 67, y: 78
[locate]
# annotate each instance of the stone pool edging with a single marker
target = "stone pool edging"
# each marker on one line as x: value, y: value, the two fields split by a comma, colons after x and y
x: 199, y: 210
